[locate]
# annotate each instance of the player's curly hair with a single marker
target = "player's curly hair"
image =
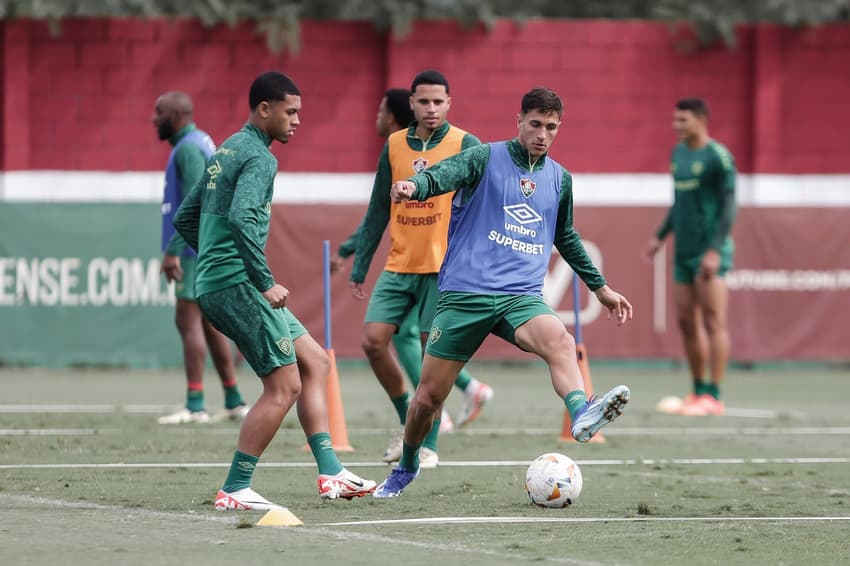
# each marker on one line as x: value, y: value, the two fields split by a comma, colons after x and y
x: 543, y: 99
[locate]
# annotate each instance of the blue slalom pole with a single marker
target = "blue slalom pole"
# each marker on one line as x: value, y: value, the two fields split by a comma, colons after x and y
x: 326, y: 280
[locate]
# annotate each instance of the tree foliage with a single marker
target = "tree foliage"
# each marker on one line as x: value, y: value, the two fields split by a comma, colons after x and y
x: 279, y: 19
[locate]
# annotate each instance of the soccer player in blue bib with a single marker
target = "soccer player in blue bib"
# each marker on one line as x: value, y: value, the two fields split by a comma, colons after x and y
x: 512, y: 204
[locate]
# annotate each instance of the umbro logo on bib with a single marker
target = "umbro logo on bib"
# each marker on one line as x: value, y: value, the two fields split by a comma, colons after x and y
x: 420, y: 164
x: 527, y: 187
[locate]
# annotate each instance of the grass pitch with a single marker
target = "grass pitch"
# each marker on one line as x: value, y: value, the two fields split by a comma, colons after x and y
x: 88, y: 477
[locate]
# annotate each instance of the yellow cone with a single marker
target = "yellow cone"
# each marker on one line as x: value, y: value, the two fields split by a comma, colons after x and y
x: 279, y: 518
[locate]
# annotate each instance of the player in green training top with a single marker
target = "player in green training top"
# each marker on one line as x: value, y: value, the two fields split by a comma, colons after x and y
x: 226, y: 219
x: 701, y: 219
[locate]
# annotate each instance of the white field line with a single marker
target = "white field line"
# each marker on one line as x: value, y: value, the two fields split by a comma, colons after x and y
x: 443, y: 464
x: 321, y: 530
x: 151, y: 408
x: 514, y: 520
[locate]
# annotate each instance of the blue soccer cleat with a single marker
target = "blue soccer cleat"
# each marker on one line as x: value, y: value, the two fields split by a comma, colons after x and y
x: 598, y: 412
x: 395, y: 483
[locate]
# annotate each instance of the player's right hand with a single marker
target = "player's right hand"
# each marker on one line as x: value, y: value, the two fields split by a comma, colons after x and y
x: 653, y: 246
x: 401, y: 191
x: 171, y: 268
x: 276, y: 296
x: 357, y: 290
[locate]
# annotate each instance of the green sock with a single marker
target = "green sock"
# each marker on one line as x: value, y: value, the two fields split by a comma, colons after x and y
x: 713, y: 389
x: 241, y: 470
x: 409, y: 457
x: 431, y: 438
x: 232, y: 397
x: 323, y: 452
x: 575, y: 400
x: 463, y: 379
x: 195, y: 400
x: 401, y: 403
x: 699, y: 386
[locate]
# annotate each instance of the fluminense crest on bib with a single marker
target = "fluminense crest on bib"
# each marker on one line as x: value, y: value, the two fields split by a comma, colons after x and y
x: 527, y: 187
x: 435, y: 334
x: 285, y: 345
x: 697, y: 167
x: 420, y: 164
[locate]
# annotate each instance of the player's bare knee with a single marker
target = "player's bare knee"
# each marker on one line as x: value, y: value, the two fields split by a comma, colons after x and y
x: 373, y: 346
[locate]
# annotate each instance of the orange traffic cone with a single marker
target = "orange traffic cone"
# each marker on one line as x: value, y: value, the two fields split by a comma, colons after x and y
x: 567, y: 426
x: 336, y: 414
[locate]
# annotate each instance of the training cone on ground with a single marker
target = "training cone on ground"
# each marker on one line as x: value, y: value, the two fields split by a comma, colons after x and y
x: 336, y: 414
x: 279, y: 518
x: 567, y: 426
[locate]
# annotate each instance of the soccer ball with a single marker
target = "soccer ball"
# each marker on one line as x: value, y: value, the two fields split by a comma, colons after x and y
x: 553, y: 480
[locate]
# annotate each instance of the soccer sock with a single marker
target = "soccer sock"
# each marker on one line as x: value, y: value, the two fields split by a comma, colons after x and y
x: 431, y: 438
x: 241, y: 470
x: 699, y: 386
x: 409, y: 457
x: 401, y: 403
x: 232, y: 397
x: 464, y: 380
x: 195, y: 397
x: 575, y: 400
x: 323, y: 452
x: 713, y: 389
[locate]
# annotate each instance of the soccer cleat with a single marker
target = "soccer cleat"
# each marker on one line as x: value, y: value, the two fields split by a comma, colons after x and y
x: 395, y: 483
x: 428, y: 458
x: 243, y: 500
x: 446, y: 424
x: 473, y: 402
x: 184, y: 416
x: 237, y: 413
x: 345, y: 485
x: 393, y: 451
x: 598, y: 412
x: 702, y: 406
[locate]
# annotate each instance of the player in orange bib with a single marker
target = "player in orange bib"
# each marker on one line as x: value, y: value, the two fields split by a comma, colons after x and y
x: 418, y: 240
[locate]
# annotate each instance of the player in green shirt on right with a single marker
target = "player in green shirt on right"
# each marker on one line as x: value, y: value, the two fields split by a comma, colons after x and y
x: 701, y: 219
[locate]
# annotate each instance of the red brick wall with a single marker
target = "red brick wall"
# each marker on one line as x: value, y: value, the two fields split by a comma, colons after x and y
x: 83, y: 100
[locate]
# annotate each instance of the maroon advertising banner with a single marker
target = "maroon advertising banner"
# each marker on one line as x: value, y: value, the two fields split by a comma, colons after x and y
x: 789, y: 289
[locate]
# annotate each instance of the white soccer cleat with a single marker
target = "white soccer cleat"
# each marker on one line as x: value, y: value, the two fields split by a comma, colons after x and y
x: 185, y: 416
x: 243, y: 500
x: 446, y: 424
x: 345, y: 485
x: 598, y: 412
x: 474, y: 399
x: 393, y: 451
x: 235, y: 414
x: 428, y: 458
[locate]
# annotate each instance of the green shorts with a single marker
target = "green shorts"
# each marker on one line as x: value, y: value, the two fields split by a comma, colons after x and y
x: 185, y: 288
x: 397, y: 294
x: 686, y: 269
x: 265, y: 336
x: 463, y: 321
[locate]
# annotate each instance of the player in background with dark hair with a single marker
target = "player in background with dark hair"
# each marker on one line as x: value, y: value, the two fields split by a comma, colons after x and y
x: 417, y: 243
x: 512, y: 203
x: 701, y: 220
x: 172, y: 119
x: 226, y: 218
x: 394, y: 114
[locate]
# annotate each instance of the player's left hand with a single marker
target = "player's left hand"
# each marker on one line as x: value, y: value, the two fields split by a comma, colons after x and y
x: 617, y: 305
x: 710, y: 264
x: 171, y: 268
